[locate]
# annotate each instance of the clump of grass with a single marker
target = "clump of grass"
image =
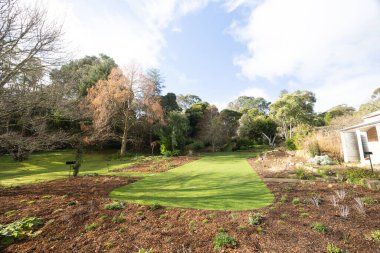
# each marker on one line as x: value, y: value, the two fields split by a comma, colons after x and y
x: 331, y: 248
x: 206, y: 221
x: 109, y: 245
x: 155, y: 206
x: 241, y: 227
x: 255, y: 218
x: 259, y: 230
x: 163, y: 216
x: 114, y: 206
x: 92, y: 226
x: 375, y: 235
x: 319, y: 227
x: 223, y: 240
x: 10, y: 213
x: 304, y: 215
x: 296, y: 201
x: 284, y: 215
x: 284, y: 198
x: 369, y: 200
x: 118, y: 218
x: 192, y: 225
x: 302, y: 174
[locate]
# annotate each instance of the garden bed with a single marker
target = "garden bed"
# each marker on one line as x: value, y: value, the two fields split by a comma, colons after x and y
x: 75, y: 219
x: 158, y: 164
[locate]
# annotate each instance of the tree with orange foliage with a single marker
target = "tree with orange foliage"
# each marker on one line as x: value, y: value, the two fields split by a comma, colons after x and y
x: 113, y: 106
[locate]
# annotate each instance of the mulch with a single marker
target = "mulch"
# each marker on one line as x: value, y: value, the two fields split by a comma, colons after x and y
x: 68, y: 205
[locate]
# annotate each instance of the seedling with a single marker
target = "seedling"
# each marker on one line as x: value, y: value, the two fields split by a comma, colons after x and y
x: 223, y: 240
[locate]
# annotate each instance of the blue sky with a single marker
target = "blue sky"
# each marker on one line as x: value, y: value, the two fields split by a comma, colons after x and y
x: 220, y: 49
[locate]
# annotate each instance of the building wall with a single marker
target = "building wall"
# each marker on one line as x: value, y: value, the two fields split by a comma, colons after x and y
x: 350, y: 147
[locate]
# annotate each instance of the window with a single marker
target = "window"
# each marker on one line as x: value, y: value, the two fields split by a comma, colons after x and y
x: 372, y: 134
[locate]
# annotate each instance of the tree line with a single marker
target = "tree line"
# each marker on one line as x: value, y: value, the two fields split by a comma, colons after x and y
x: 47, y: 102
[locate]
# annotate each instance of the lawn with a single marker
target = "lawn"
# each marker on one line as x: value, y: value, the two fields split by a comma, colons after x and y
x: 51, y: 165
x: 222, y: 181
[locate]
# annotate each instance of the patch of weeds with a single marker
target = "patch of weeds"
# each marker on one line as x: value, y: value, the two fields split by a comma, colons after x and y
x: 10, y: 213
x: 46, y: 197
x: 332, y: 248
x: 296, y: 201
x: 369, y: 200
x: 18, y: 230
x: 109, y: 245
x: 255, y: 218
x: 142, y: 250
x: 221, y: 230
x: 90, y: 227
x: 241, y: 227
x: 302, y: 174
x: 206, y: 221
x: 163, y: 216
x: 155, y: 206
x: 115, y: 206
x: 375, y: 235
x: 72, y: 203
x: 259, y: 230
x: 284, y: 198
x: 103, y: 217
x: 223, y: 240
x: 357, y: 175
x: 304, y: 215
x: 284, y: 215
x: 118, y: 218
x: 192, y: 225
x: 319, y: 227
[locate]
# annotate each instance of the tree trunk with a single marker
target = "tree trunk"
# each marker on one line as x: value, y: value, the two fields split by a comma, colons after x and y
x: 124, y: 138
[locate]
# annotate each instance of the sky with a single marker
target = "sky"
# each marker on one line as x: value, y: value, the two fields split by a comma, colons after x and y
x: 222, y: 49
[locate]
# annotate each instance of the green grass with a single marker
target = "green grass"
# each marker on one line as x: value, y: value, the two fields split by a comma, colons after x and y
x: 222, y: 181
x: 51, y: 165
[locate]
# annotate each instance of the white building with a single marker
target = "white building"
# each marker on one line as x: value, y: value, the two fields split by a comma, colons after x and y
x: 358, y: 139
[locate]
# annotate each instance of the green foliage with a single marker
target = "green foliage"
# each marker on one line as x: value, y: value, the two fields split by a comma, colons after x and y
x: 337, y: 111
x: 223, y: 240
x: 186, y: 101
x: 115, y: 206
x: 301, y: 173
x: 375, y: 235
x: 296, y: 201
x: 244, y: 103
x: 369, y: 200
x: 142, y: 250
x: 319, y: 227
x: 173, y: 136
x: 18, y: 230
x: 356, y: 175
x: 169, y: 103
x: 284, y: 198
x: 155, y: 206
x: 255, y: 218
x: 91, y: 226
x: 290, y: 144
x: 118, y: 218
x: 331, y: 248
x: 195, y: 145
x: 313, y: 148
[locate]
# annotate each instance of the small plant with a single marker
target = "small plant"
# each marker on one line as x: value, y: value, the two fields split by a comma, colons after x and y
x: 304, y: 215
x: 192, y: 225
x: 360, y: 206
x: 46, y: 197
x: 316, y: 201
x: 284, y: 198
x: 319, y: 227
x: 115, y: 206
x: 296, y: 201
x: 284, y: 216
x: 344, y: 211
x: 163, y: 216
x: 341, y: 194
x: 109, y: 245
x: 375, y: 235
x: 118, y: 218
x: 255, y: 218
x: 223, y: 240
x: 72, y: 203
x: 10, y: 213
x: 91, y: 226
x: 301, y: 173
x: 334, y: 200
x: 155, y: 206
x: 18, y: 230
x: 142, y: 250
x: 369, y: 200
x: 331, y: 248
x: 206, y: 221
x: 241, y: 227
x: 259, y: 230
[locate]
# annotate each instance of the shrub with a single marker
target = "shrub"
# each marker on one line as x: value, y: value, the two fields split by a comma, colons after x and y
x: 114, y: 206
x: 255, y: 218
x: 376, y: 235
x: 319, y: 227
x: 322, y: 160
x: 290, y: 144
x: 331, y: 248
x: 223, y: 240
x: 18, y: 230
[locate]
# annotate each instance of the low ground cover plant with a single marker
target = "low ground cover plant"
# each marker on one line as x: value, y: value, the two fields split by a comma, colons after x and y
x: 115, y: 206
x: 332, y: 248
x: 18, y: 230
x: 375, y: 235
x: 319, y: 227
x: 256, y: 218
x: 223, y: 240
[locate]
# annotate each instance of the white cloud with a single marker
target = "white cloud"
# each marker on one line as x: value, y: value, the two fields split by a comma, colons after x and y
x: 327, y: 46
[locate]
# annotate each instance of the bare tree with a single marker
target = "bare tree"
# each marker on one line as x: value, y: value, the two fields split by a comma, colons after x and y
x: 26, y: 35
